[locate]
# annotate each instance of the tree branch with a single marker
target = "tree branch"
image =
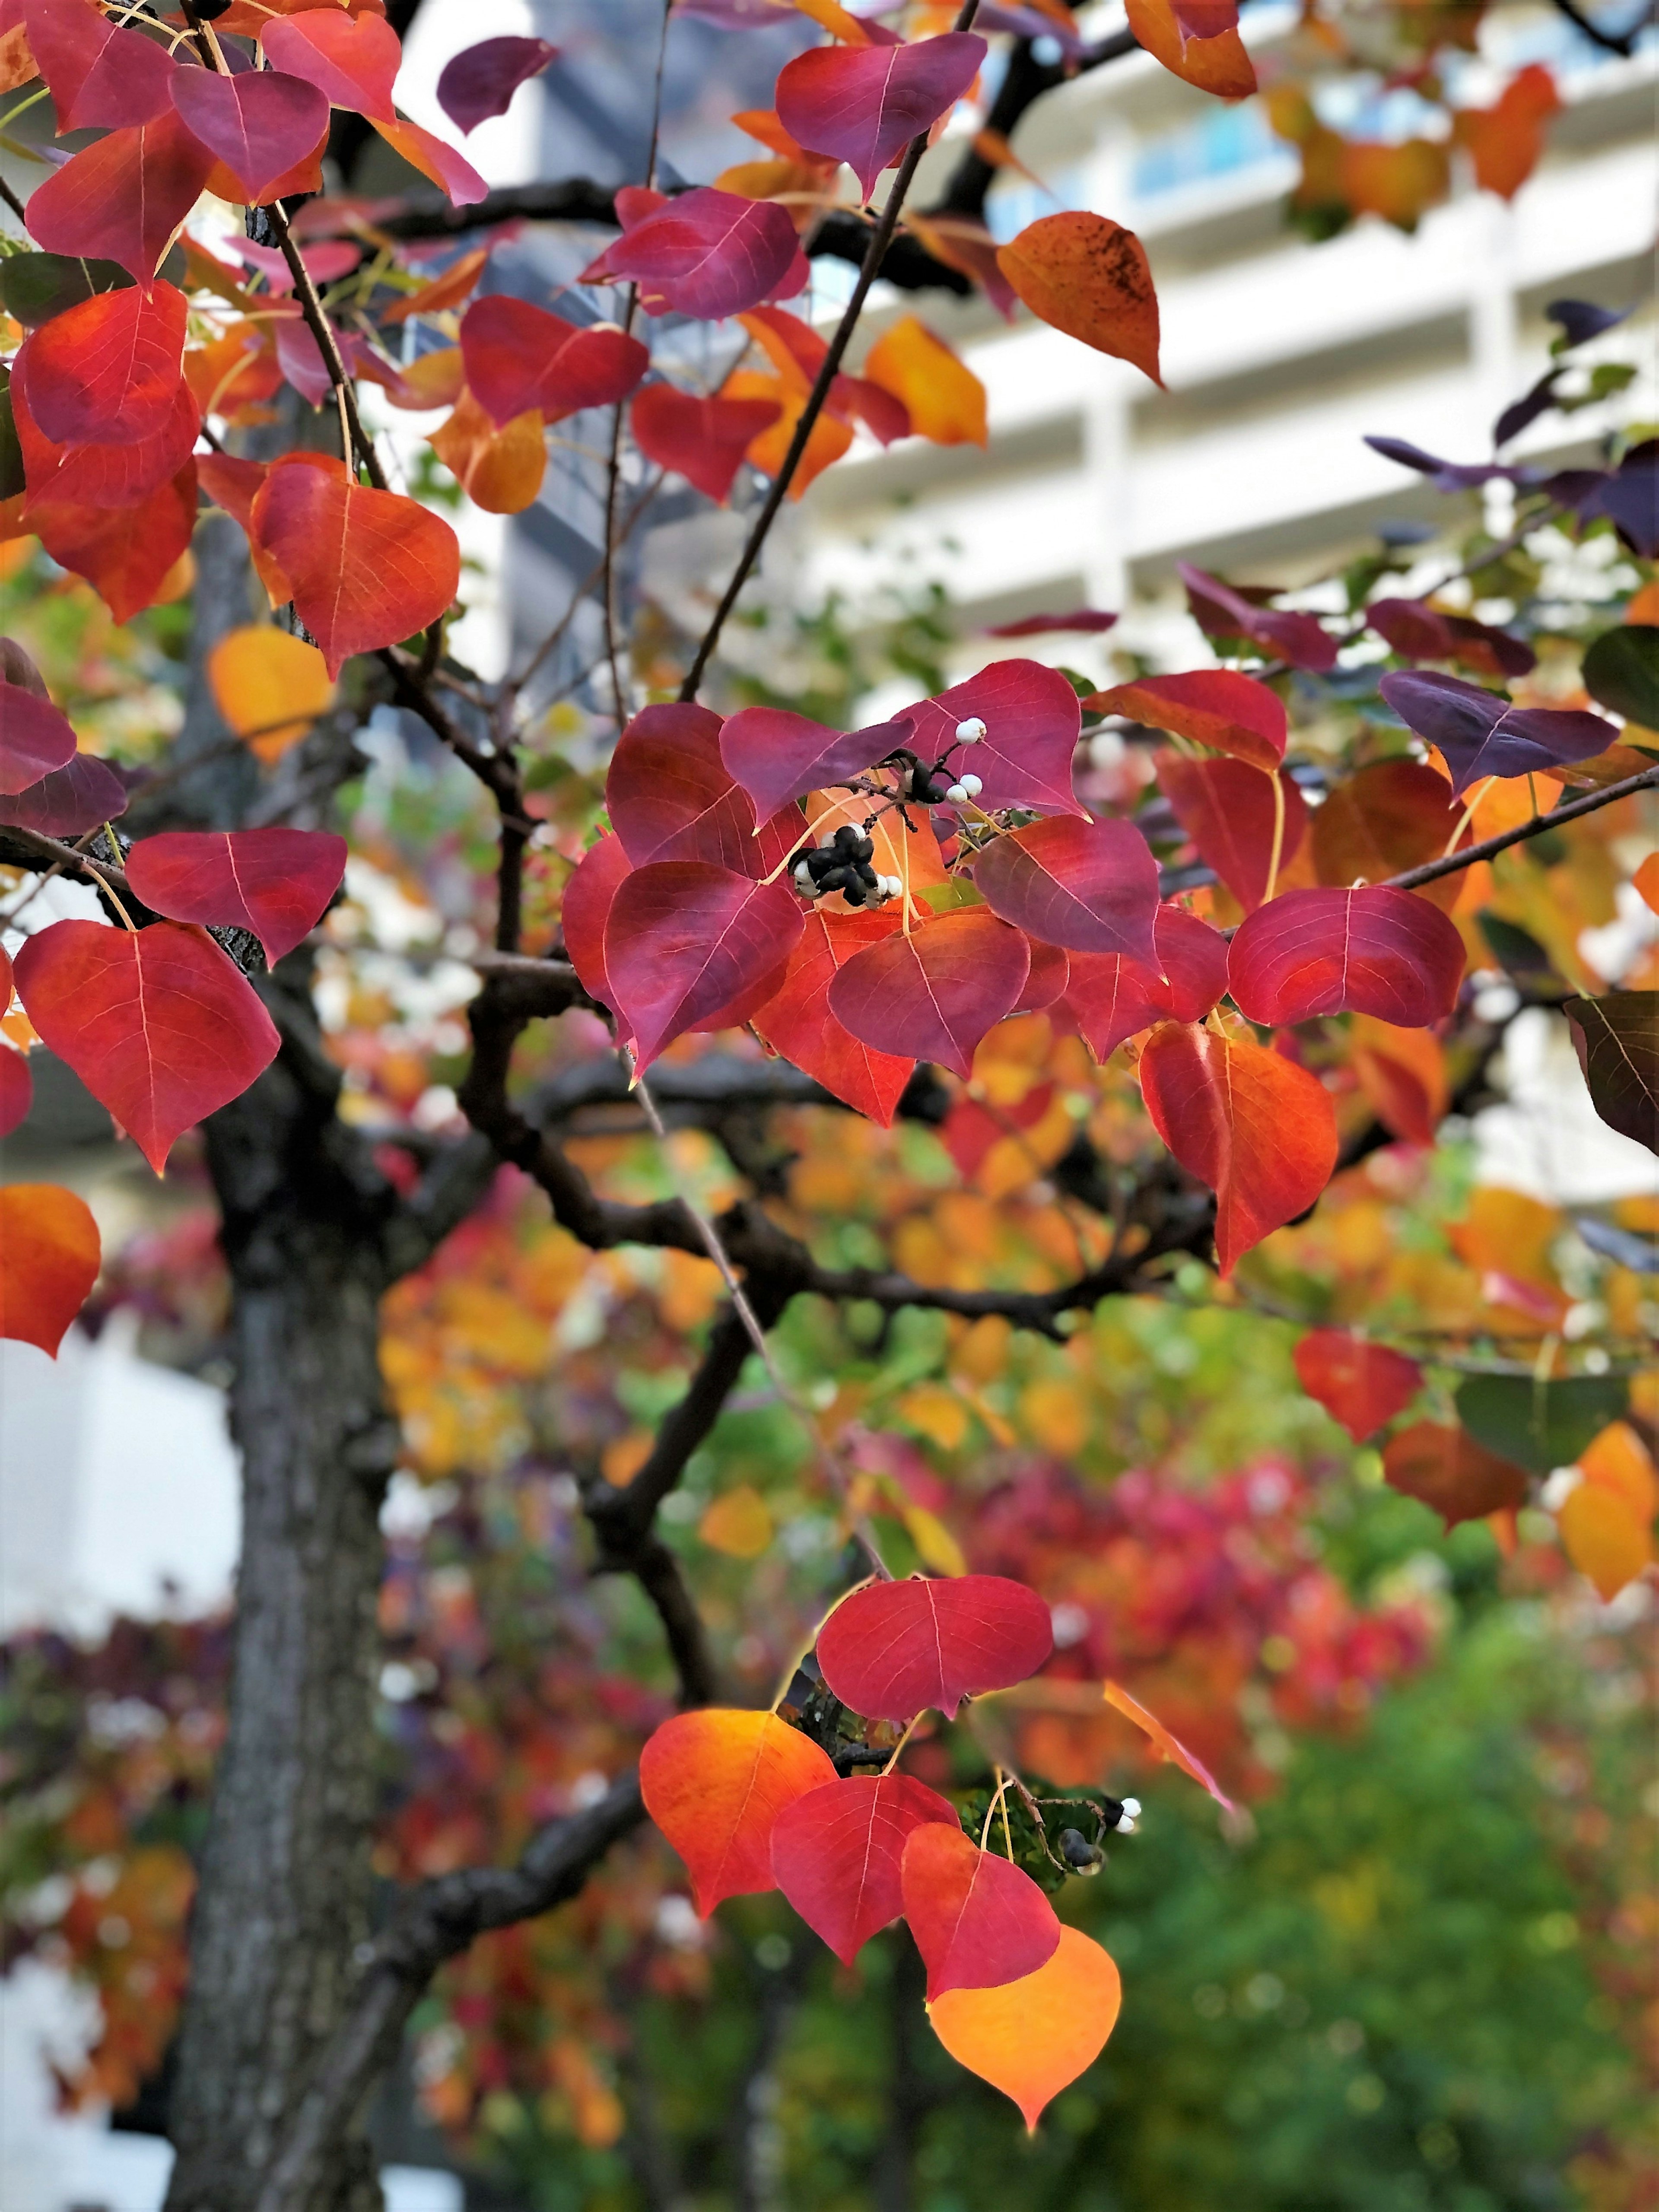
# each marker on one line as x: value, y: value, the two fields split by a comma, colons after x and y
x: 1622, y: 43
x: 1450, y: 865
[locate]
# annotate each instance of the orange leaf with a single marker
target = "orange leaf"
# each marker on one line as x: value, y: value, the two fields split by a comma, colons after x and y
x: 829, y: 442
x: 500, y: 471
x: 448, y: 291
x: 1219, y: 65
x: 48, y: 1260
x: 1605, y: 1538
x: 716, y: 1782
x: 946, y: 400
x: 1505, y: 140
x: 1031, y: 2037
x: 1087, y: 277
x: 1402, y: 1073
x: 1447, y: 1470
x: 737, y: 1523
x: 261, y: 677
x: 1646, y: 880
x: 1618, y: 1461
x: 1171, y: 1746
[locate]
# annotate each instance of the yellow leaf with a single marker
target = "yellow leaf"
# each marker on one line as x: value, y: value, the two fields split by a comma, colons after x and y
x: 1618, y: 1461
x: 261, y: 677
x: 499, y: 470
x: 619, y: 1462
x: 1056, y: 1413
x: 432, y: 380
x: 1605, y: 1537
x: 829, y: 439
x: 938, y: 1412
x: 946, y: 400
x: 935, y: 1546
x: 738, y: 1523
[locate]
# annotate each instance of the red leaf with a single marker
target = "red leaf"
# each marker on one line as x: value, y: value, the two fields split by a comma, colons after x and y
x: 275, y: 882
x: 702, y: 440
x: 683, y: 938
x: 157, y: 1022
x: 34, y: 738
x: 1110, y: 998
x: 1090, y: 886
x: 1214, y: 707
x: 893, y: 1649
x: 978, y: 1920
x: 481, y: 81
x: 1090, y: 620
x: 863, y: 106
x: 706, y: 254
x: 672, y: 798
x: 1445, y: 1469
x: 1226, y: 808
x: 716, y: 1782
x: 1372, y: 952
x: 1223, y: 612
x: 1360, y: 1385
x: 1171, y: 1746
x: 1032, y: 720
x: 94, y: 473
x: 1046, y: 980
x: 260, y: 125
x: 125, y: 553
x: 122, y: 198
x: 1417, y: 631
x: 517, y: 356
x: 584, y: 913
x: 71, y: 800
x: 797, y: 1022
x: 98, y: 73
x: 776, y: 755
x: 434, y: 157
x: 365, y: 568
x: 969, y: 1130
x: 835, y: 1854
x: 351, y: 59
x: 1385, y: 818
x: 16, y: 1084
x: 48, y: 1260
x: 1260, y: 1130
x: 107, y: 371
x: 934, y: 994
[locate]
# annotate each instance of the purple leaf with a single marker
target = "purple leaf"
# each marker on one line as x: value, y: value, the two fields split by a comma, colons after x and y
x: 1448, y: 476
x: 481, y: 82
x: 1581, y: 319
x: 777, y: 757
x: 1221, y: 612
x: 1031, y: 719
x: 1527, y: 409
x: 706, y: 254
x: 1092, y: 620
x: 1481, y: 734
x: 69, y: 801
x: 863, y: 104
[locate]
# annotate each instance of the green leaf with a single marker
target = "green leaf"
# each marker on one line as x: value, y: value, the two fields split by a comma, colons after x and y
x: 11, y: 453
x: 1617, y: 1040
x: 36, y: 286
x: 1621, y: 670
x: 1540, y: 1425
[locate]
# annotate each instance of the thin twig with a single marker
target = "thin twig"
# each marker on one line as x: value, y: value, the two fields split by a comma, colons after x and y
x: 879, y: 239
x: 1450, y: 864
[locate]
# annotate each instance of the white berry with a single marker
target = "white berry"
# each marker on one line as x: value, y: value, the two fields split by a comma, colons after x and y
x: 1132, y: 1806
x: 971, y: 732
x: 803, y: 877
x: 957, y: 794
x: 973, y: 785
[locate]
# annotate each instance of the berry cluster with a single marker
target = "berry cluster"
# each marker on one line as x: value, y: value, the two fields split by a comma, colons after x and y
x: 841, y: 863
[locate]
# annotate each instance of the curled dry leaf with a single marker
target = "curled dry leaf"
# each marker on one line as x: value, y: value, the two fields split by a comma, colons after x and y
x: 48, y: 1259
x: 835, y: 1854
x: 1089, y: 277
x: 1031, y: 2039
x: 1168, y: 1747
x: 979, y: 1920
x: 716, y: 1782
x: 1360, y: 1384
x: 893, y: 1649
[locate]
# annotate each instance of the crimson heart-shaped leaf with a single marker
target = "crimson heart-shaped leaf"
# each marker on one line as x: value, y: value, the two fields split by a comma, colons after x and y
x: 1481, y: 734
x: 1047, y: 978
x: 776, y: 755
x: 1214, y: 707
x: 1110, y: 998
x: 108, y: 370
x: 69, y: 801
x: 835, y: 1854
x: 1226, y: 808
x: 715, y: 1782
x: 891, y: 1649
x: 480, y: 81
x: 517, y: 356
x: 704, y: 440
x: 260, y: 124
x: 978, y: 1921
x: 934, y: 994
x: 157, y: 1022
x: 364, y: 568
x: 351, y: 59
x: 275, y: 882
x: 684, y: 939
x: 98, y: 72
x: 1032, y: 720
x: 125, y: 553
x: 1089, y: 886
x: 122, y: 198
x: 706, y: 254
x: 863, y: 104
x: 34, y: 738
x: 1360, y: 1385
x: 93, y: 473
x: 1374, y: 951
x: 671, y: 797
x: 1260, y: 1130
x: 583, y: 915
x: 796, y: 1021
